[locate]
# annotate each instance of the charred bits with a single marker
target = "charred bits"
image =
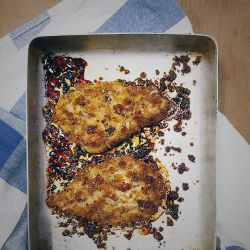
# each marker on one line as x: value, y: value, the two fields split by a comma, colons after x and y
x: 185, y: 186
x: 191, y: 158
x: 197, y: 60
x: 182, y: 168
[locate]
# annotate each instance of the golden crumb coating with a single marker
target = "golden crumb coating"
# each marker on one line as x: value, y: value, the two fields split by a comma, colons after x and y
x: 120, y: 192
x: 98, y: 116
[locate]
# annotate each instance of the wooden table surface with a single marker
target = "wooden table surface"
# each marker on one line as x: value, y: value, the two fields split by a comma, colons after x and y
x: 228, y: 21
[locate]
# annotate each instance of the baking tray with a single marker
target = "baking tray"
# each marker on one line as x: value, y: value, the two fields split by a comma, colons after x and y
x: 195, y: 228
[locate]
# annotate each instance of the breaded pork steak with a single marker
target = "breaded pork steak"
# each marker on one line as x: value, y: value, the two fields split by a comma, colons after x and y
x: 119, y: 192
x: 98, y: 116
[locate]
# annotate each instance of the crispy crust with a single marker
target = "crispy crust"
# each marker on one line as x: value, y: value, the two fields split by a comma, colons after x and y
x: 119, y: 192
x: 98, y: 116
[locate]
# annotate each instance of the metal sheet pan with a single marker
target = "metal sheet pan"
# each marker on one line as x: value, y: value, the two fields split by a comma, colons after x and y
x: 138, y: 52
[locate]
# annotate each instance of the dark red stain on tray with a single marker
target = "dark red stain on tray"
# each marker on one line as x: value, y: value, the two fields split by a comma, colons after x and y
x: 58, y: 71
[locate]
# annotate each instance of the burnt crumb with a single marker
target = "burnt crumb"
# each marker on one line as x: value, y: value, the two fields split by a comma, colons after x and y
x: 162, y: 141
x: 171, y: 87
x: 182, y: 168
x: 95, y: 80
x: 180, y: 199
x: 177, y: 149
x: 157, y: 72
x: 166, y: 80
x: 191, y: 144
x: 170, y: 222
x: 197, y: 60
x: 183, y: 59
x: 128, y: 235
x: 173, y: 210
x: 63, y: 224
x: 160, y: 133
x: 163, y: 124
x: 182, y: 104
x: 167, y: 149
x: 100, y: 78
x: 163, y: 85
x: 157, y: 235
x: 143, y: 75
x: 161, y: 229
x: 194, y: 82
x: 191, y: 158
x: 101, y: 245
x: 177, y: 127
x: 67, y: 232
x: 183, y: 133
x: 171, y: 76
x: 186, y: 69
x: 122, y: 69
x: 173, y: 166
x: 172, y: 196
x: 185, y: 186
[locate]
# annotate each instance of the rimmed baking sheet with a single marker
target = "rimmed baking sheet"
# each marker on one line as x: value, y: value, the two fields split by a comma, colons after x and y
x: 195, y: 229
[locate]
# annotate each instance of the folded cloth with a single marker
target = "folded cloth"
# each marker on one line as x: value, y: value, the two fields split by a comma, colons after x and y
x: 68, y: 17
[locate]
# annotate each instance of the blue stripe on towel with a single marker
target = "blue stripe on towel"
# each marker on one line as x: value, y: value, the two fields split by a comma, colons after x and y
x: 19, y: 238
x: 14, y: 170
x: 9, y: 139
x: 234, y: 248
x: 25, y: 33
x: 144, y: 16
x: 19, y: 109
